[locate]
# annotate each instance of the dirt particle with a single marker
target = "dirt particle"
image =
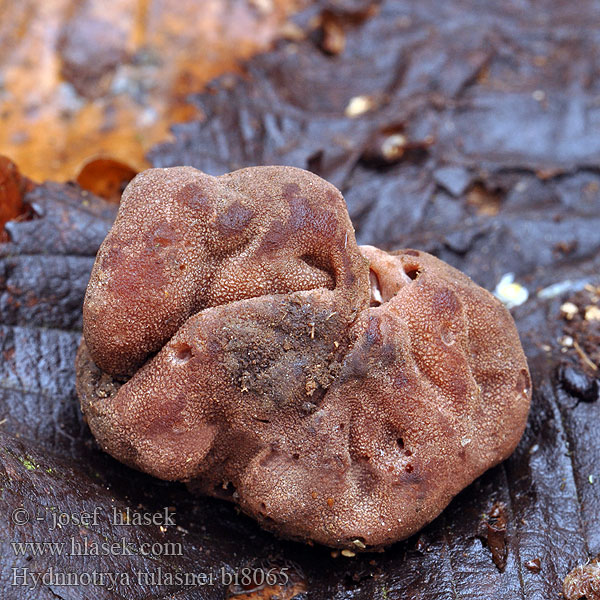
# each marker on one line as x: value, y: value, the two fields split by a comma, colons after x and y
x: 534, y: 565
x: 495, y: 526
x: 583, y: 582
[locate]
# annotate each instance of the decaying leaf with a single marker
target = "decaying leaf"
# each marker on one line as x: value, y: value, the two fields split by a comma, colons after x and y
x: 12, y: 190
x: 105, y: 177
x: 79, y: 80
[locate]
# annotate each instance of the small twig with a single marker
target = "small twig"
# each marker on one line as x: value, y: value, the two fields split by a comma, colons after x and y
x: 584, y: 357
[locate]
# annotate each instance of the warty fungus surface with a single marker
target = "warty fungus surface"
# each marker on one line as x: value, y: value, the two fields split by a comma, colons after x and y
x: 238, y: 339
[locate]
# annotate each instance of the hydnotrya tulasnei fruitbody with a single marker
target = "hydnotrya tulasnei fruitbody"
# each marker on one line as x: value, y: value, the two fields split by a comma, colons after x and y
x: 238, y: 339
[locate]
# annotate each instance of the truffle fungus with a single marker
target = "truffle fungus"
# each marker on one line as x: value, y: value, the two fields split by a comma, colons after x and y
x: 238, y: 339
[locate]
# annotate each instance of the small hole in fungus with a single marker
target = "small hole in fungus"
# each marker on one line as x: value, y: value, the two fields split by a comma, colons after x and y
x: 376, y: 297
x: 181, y: 267
x: 408, y: 453
x: 295, y: 456
x: 400, y: 443
x: 342, y: 425
x: 409, y: 468
x: 183, y: 352
x: 411, y: 271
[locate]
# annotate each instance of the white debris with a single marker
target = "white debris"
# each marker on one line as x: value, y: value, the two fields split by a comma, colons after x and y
x: 569, y: 310
x: 566, y: 341
x: 511, y: 294
x: 393, y: 146
x: 556, y: 289
x: 359, y: 105
x: 539, y: 95
x: 592, y: 313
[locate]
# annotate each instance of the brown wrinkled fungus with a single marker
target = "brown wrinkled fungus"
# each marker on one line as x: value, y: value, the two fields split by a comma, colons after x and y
x: 238, y: 339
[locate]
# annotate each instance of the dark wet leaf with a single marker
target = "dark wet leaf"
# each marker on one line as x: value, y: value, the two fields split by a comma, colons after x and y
x: 496, y: 104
